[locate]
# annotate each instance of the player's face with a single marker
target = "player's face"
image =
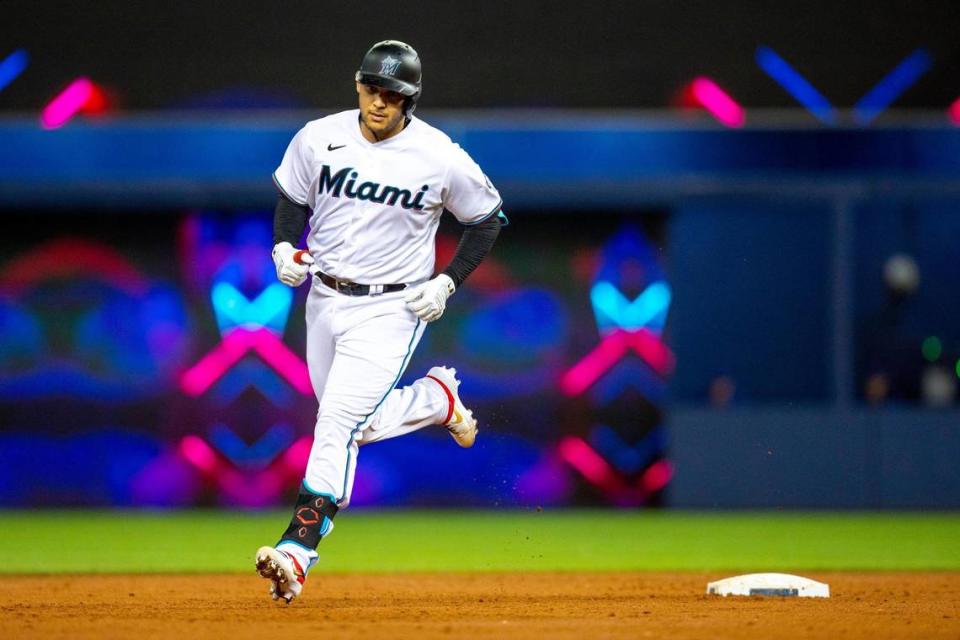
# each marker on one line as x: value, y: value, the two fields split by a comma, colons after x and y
x: 381, y: 110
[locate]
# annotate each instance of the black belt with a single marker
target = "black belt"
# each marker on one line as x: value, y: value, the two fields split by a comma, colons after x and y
x: 348, y: 288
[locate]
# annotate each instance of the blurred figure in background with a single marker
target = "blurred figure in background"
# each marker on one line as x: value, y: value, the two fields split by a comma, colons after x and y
x: 895, y: 365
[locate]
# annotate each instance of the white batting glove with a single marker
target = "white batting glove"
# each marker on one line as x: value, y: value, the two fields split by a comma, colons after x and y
x: 292, y: 269
x: 429, y: 300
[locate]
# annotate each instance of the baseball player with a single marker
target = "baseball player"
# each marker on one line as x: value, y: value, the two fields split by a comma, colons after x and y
x: 371, y: 183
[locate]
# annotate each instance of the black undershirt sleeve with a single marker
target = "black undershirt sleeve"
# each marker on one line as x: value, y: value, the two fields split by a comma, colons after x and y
x: 289, y: 220
x: 475, y: 244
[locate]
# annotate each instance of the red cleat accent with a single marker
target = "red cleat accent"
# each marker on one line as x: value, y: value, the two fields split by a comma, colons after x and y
x: 449, y: 398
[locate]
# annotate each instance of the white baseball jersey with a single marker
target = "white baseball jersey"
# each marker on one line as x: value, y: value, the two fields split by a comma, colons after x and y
x: 375, y: 206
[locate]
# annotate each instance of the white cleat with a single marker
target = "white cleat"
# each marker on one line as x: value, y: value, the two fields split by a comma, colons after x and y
x: 460, y: 421
x: 283, y: 571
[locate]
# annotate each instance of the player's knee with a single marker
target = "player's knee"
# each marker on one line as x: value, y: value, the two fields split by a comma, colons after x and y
x: 338, y: 416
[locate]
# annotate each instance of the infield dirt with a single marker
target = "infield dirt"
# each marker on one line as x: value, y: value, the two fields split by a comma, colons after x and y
x: 480, y: 605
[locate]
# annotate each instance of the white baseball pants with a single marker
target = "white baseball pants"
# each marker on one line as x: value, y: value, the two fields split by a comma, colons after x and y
x: 357, y: 349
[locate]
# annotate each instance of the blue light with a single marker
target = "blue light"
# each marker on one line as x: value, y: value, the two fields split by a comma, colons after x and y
x: 614, y: 311
x: 269, y: 309
x: 256, y: 455
x: 796, y: 85
x: 12, y: 66
x: 629, y: 457
x: 21, y: 340
x: 892, y: 86
x: 626, y: 375
x: 253, y: 373
x: 522, y: 327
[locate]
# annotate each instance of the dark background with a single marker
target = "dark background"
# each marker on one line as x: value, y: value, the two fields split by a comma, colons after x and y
x: 500, y: 53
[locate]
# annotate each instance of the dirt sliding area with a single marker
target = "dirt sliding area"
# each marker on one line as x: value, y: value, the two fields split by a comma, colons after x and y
x: 568, y: 605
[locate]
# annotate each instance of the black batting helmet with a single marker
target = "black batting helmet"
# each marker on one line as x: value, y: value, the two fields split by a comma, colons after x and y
x: 393, y: 65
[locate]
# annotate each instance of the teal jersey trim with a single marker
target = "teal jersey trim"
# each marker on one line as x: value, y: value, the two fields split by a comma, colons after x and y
x: 403, y: 365
x: 496, y: 210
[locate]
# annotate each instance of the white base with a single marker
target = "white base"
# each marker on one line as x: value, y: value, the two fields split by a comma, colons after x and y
x: 769, y: 584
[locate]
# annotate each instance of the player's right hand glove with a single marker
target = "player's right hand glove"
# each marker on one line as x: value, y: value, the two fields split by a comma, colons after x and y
x: 293, y: 266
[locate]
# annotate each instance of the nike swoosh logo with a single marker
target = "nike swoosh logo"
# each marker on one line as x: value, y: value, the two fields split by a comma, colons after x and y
x: 330, y: 147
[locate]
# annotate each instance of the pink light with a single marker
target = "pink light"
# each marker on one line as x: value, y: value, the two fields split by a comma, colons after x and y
x: 257, y: 490
x: 198, y: 453
x: 66, y: 104
x: 588, y: 462
x: 653, y: 352
x: 247, y: 489
x: 296, y: 456
x: 87, y: 260
x: 591, y: 465
x: 286, y: 362
x: 611, y: 349
x: 586, y: 372
x: 212, y: 366
x: 201, y: 376
x: 657, y: 476
x: 954, y: 111
x: 715, y: 100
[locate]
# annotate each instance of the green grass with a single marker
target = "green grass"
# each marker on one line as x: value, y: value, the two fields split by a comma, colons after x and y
x: 215, y: 541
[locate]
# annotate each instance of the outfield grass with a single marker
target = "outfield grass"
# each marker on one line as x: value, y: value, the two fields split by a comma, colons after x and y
x: 214, y: 541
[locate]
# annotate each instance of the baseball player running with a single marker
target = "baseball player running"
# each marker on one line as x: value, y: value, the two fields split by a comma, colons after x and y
x: 371, y: 183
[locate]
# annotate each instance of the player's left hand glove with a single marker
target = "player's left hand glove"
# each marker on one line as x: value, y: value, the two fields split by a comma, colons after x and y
x: 292, y: 265
x: 429, y: 300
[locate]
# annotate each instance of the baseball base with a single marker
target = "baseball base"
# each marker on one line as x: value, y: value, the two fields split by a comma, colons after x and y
x: 769, y: 584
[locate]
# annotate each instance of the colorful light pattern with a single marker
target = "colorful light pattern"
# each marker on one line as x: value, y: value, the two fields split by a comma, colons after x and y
x: 625, y: 326
x: 234, y: 346
x: 234, y: 258
x: 611, y: 349
x: 717, y: 102
x: 245, y: 463
x: 247, y: 488
x: 598, y: 472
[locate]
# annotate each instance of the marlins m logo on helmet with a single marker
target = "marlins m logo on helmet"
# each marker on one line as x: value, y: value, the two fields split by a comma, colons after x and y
x: 388, y: 66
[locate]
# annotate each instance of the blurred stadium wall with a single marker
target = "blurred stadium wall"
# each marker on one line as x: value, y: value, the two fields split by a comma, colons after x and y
x: 730, y: 281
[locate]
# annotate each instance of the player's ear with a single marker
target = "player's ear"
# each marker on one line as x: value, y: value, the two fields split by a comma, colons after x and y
x: 359, y: 87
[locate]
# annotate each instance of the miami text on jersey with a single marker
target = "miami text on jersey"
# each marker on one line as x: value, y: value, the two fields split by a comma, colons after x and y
x: 339, y: 182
